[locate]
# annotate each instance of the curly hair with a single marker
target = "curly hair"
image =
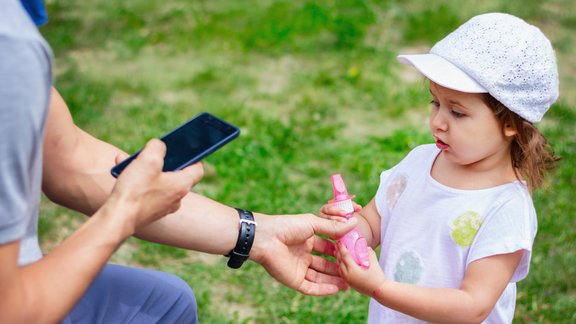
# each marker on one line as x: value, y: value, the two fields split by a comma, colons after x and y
x: 532, y: 155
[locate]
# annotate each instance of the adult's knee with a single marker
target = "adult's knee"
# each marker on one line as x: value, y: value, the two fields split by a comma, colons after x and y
x: 185, y: 308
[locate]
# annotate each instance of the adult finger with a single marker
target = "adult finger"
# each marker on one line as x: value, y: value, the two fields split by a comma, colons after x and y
x: 314, y: 289
x: 322, y: 265
x: 191, y: 174
x: 322, y: 278
x: 333, y: 229
x: 324, y: 246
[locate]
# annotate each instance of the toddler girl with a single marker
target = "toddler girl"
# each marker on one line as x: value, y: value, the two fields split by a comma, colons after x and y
x: 455, y: 220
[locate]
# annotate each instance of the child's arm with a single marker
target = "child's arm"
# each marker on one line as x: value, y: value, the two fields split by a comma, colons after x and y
x: 483, y: 283
x: 368, y: 220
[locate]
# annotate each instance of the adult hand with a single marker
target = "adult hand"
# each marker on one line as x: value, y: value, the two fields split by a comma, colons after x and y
x: 145, y: 193
x: 283, y: 246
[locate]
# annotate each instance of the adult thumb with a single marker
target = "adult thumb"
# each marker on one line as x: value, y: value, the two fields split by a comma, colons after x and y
x: 334, y: 229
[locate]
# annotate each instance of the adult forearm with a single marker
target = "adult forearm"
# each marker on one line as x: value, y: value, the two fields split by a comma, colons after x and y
x: 201, y: 224
x: 51, y: 287
x: 77, y: 175
x: 204, y: 225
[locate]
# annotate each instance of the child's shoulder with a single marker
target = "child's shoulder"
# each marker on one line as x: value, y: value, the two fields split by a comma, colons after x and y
x: 423, y: 151
x: 426, y: 148
x: 418, y: 157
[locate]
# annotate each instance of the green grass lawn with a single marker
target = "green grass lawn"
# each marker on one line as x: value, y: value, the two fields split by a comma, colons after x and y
x: 315, y: 89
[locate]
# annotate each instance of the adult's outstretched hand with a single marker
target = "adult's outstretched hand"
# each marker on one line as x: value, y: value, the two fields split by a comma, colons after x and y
x: 284, y: 244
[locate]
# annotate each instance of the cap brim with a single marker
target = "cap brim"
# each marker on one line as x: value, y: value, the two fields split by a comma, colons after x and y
x: 442, y: 72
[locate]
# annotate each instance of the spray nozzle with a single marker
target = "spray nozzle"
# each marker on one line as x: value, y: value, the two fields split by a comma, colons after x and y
x: 340, y: 192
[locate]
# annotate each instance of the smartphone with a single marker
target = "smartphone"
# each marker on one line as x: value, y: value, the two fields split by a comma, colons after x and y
x: 190, y: 142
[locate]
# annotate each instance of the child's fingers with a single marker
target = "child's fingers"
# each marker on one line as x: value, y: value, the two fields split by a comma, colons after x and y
x: 329, y: 210
x: 332, y: 217
x: 334, y: 214
x: 373, y: 257
x: 345, y: 257
x: 342, y: 269
x: 337, y: 254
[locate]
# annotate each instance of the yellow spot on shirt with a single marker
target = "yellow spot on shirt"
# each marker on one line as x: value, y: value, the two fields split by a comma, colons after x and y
x: 465, y: 227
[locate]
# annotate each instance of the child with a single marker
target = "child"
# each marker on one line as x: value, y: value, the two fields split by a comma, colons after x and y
x: 455, y: 220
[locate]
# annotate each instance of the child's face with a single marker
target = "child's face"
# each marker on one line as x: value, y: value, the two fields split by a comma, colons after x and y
x: 466, y: 129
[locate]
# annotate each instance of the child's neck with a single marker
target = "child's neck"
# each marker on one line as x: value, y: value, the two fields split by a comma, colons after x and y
x: 482, y: 175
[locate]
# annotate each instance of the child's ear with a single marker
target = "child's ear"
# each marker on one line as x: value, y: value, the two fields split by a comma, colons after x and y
x: 510, y: 130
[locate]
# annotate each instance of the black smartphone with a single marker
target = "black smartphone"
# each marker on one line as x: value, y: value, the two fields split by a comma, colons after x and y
x: 190, y: 142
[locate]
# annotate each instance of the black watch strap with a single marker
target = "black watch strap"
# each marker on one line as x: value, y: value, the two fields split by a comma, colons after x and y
x: 246, y: 235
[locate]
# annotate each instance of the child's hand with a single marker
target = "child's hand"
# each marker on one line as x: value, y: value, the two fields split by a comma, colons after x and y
x: 333, y: 212
x: 365, y: 281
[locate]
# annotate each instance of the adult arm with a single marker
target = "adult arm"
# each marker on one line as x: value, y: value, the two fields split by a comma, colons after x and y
x: 46, y: 290
x: 77, y: 175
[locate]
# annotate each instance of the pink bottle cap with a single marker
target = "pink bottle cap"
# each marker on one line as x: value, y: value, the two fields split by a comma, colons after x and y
x: 340, y: 192
x: 341, y: 197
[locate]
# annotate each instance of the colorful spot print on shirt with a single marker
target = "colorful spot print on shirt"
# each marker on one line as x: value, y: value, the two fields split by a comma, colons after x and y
x: 465, y: 227
x: 408, y: 268
x: 395, y: 190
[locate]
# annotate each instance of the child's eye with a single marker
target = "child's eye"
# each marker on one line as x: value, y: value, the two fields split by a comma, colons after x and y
x: 456, y: 114
x: 435, y: 103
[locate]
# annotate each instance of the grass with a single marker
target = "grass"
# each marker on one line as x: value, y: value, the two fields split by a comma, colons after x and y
x: 315, y: 88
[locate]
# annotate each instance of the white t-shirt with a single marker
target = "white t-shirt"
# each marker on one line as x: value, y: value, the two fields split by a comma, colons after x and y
x: 430, y: 233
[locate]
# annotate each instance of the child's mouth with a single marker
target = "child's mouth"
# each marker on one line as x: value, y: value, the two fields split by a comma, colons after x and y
x: 441, y: 145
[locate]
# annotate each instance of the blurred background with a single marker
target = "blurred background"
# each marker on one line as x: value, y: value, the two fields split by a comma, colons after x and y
x: 315, y: 88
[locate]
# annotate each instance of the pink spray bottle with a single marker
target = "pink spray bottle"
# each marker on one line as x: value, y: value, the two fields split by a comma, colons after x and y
x: 353, y: 240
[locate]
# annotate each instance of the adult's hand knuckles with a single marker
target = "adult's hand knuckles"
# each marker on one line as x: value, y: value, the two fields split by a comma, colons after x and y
x: 182, y: 192
x: 150, y: 159
x: 174, y: 208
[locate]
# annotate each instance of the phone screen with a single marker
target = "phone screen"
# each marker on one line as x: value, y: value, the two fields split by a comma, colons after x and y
x: 191, y: 142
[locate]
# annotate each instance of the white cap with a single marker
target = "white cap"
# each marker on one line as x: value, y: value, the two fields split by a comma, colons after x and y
x: 499, y: 54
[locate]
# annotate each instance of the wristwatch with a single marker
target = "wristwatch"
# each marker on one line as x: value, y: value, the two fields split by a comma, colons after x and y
x: 246, y: 234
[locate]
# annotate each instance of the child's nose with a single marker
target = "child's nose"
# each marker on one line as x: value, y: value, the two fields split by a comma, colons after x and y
x: 438, y: 120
